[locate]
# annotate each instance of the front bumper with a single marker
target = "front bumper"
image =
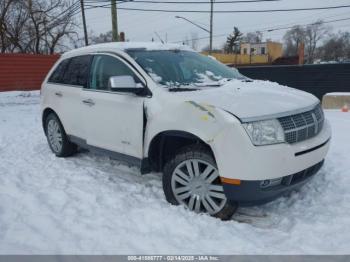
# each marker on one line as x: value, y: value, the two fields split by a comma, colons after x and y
x: 250, y: 193
x: 237, y: 158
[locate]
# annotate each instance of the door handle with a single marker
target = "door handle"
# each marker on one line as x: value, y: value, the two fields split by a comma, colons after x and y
x: 59, y: 94
x: 89, y: 102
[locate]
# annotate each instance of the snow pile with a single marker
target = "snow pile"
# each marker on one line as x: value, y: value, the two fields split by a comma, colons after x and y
x: 89, y: 204
x: 17, y: 97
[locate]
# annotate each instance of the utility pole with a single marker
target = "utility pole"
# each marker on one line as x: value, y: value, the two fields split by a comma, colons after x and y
x: 115, y: 36
x: 84, y: 21
x: 211, y: 26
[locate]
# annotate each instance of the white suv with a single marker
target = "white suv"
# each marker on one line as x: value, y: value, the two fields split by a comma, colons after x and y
x: 220, y: 139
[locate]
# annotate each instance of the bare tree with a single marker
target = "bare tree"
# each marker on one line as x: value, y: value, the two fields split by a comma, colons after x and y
x: 292, y: 40
x: 4, y: 13
x: 253, y: 37
x: 233, y: 41
x: 37, y: 26
x: 14, y: 27
x: 311, y: 35
x: 101, y: 38
x: 346, y: 37
x: 314, y: 33
x: 336, y: 48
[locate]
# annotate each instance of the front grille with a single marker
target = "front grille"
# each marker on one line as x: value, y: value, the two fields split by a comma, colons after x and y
x: 290, y: 180
x: 302, y: 126
x: 302, y: 175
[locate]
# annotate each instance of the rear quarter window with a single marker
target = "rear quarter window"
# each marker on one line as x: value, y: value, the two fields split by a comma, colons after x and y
x: 72, y: 71
x: 57, y: 75
x: 77, y: 72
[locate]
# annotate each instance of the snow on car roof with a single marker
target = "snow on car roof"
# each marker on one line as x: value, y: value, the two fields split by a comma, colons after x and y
x: 122, y: 46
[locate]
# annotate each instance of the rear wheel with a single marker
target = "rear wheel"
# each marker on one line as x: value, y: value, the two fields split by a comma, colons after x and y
x: 192, y: 179
x: 57, y: 138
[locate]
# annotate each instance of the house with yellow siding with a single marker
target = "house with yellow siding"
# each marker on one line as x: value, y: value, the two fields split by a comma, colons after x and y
x: 252, y: 53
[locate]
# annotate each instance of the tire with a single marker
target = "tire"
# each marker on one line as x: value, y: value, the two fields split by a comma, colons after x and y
x: 191, y: 179
x: 57, y: 137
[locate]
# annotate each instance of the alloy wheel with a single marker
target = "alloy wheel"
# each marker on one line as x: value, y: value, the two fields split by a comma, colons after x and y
x: 54, y: 135
x: 196, y: 184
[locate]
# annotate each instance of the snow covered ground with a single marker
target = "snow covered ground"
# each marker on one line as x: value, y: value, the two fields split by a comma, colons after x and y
x: 89, y: 204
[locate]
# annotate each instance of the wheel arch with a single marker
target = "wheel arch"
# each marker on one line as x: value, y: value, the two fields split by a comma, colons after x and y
x: 165, y: 144
x: 45, y: 113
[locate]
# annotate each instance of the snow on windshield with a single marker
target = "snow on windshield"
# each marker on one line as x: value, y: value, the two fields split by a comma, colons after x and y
x: 210, y: 79
x: 208, y: 76
x: 207, y: 79
x: 156, y: 78
x: 183, y: 69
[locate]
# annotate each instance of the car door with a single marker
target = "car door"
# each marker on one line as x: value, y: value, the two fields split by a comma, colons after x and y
x: 113, y: 121
x: 65, y: 86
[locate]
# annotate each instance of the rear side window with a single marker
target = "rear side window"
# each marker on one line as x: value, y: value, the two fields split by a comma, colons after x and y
x: 57, y: 75
x: 77, y: 72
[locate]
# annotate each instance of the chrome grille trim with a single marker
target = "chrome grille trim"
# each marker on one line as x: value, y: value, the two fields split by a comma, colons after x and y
x: 278, y: 115
x: 300, y: 127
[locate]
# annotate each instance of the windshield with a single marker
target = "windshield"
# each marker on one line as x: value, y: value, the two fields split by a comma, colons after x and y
x: 184, y: 69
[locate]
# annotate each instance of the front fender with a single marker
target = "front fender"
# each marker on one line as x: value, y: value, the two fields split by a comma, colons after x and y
x: 203, y: 121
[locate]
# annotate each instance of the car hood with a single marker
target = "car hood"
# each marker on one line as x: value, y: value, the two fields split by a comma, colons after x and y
x: 253, y: 100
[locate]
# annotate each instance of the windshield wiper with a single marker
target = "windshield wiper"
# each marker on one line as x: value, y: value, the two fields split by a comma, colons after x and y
x: 217, y: 83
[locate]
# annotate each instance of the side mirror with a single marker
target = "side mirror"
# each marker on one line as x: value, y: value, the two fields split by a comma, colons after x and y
x: 124, y: 84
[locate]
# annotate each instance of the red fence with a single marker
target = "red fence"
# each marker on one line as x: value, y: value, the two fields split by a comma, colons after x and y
x: 24, y: 71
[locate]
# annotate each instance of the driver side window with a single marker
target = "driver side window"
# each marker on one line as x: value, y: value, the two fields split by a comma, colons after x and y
x: 105, y: 66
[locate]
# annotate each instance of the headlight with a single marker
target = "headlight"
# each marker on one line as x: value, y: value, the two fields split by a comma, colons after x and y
x: 265, y: 132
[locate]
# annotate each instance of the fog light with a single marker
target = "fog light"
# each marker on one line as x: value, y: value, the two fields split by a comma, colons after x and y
x: 264, y: 183
x: 270, y: 182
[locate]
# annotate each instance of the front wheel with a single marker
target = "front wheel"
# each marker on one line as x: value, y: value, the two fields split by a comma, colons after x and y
x: 191, y: 178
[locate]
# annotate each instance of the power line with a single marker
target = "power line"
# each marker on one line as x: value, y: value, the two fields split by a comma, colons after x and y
x: 308, y: 17
x: 77, y: 9
x: 58, y: 18
x: 288, y: 27
x: 70, y: 11
x: 201, y: 38
x: 107, y: 5
x: 186, y: 2
x: 105, y: 1
x: 269, y: 30
x: 170, y: 2
x: 230, y: 11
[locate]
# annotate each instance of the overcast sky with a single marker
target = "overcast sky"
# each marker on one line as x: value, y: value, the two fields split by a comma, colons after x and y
x: 141, y: 26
